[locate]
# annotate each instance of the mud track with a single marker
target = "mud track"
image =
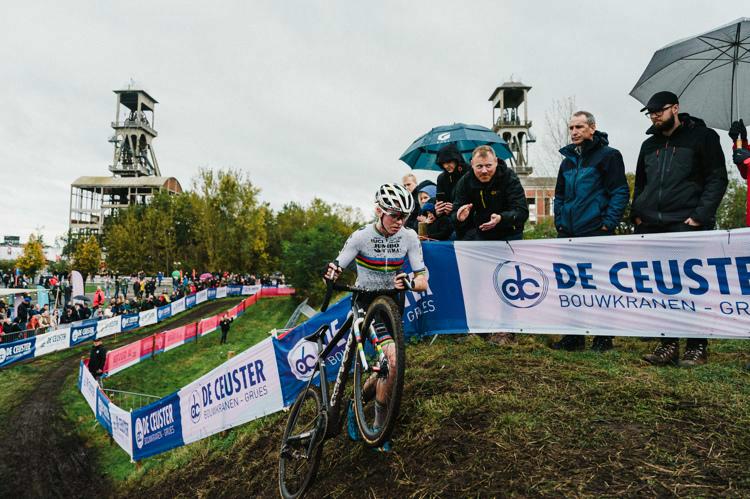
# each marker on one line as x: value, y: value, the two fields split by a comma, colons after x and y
x: 41, y: 455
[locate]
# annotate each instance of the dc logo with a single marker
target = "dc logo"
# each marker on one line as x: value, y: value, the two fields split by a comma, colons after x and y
x: 519, y: 284
x: 195, y: 407
x: 302, y: 359
x: 138, y: 432
x: 444, y: 136
x: 3, y: 355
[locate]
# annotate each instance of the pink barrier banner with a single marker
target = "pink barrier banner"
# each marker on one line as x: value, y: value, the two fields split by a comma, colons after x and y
x: 147, y: 346
x: 123, y: 357
x: 174, y: 338
x: 207, y: 325
x: 159, y: 342
x: 191, y: 331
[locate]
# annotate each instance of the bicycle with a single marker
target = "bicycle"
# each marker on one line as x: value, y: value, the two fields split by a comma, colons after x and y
x: 314, y: 417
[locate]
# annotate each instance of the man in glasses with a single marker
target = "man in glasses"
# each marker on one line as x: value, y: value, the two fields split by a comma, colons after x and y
x: 489, y: 202
x: 680, y: 180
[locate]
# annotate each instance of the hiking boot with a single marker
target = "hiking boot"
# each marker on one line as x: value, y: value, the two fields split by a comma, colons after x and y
x: 665, y: 354
x: 602, y: 344
x: 696, y: 355
x: 351, y: 423
x: 501, y: 339
x: 570, y: 343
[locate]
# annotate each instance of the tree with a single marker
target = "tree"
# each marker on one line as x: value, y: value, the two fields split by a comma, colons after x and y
x: 557, y: 119
x: 312, y: 237
x: 233, y: 221
x: 87, y: 256
x: 732, y: 210
x: 32, y: 260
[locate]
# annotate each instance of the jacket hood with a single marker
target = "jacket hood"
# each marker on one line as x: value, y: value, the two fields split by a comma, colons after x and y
x: 686, y: 121
x: 450, y: 153
x: 422, y: 185
x: 600, y: 139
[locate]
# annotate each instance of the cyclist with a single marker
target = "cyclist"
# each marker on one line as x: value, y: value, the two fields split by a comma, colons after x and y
x: 380, y: 250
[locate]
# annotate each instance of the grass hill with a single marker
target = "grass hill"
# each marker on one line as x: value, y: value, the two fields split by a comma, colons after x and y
x: 477, y: 420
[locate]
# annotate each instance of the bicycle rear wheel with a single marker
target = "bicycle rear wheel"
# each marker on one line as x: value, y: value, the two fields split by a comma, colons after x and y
x: 379, y: 383
x: 301, y: 444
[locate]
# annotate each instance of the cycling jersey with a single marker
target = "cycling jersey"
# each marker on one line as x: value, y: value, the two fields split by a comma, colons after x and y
x: 380, y: 258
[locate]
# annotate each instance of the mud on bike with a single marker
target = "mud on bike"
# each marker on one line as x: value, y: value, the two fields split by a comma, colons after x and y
x: 318, y: 413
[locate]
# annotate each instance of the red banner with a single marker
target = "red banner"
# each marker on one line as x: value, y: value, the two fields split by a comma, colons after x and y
x: 174, y: 336
x: 123, y: 356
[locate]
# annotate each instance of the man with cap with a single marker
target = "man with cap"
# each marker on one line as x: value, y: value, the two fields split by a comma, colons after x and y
x: 97, y: 358
x: 680, y: 180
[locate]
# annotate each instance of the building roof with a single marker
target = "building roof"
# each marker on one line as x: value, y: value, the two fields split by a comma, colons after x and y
x: 170, y: 183
x: 509, y: 85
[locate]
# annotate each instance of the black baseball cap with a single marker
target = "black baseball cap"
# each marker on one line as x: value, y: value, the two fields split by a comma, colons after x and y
x: 659, y: 100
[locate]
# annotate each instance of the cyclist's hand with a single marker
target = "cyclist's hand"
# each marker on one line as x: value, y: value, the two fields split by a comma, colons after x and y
x: 332, y: 272
x: 463, y: 212
x: 402, y: 281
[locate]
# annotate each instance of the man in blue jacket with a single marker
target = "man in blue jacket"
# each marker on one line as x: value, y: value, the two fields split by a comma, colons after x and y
x: 590, y: 197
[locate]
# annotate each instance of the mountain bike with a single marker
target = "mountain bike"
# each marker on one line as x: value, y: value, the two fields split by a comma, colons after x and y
x: 317, y: 415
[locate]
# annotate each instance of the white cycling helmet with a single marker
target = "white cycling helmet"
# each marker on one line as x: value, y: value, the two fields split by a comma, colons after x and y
x: 394, y: 198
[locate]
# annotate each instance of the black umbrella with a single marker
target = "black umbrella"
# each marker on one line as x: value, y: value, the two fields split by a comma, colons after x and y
x: 82, y: 298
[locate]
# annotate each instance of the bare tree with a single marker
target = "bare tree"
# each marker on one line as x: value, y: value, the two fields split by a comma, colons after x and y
x: 556, y: 119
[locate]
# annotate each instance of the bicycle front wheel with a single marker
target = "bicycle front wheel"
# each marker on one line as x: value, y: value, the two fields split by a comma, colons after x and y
x: 301, y: 444
x: 379, y: 378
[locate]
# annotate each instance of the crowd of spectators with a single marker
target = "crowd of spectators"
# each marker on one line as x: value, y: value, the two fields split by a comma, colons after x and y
x: 115, y: 295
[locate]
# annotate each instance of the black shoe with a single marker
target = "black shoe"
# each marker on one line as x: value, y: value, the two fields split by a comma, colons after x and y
x: 570, y: 343
x: 602, y: 344
x: 665, y: 354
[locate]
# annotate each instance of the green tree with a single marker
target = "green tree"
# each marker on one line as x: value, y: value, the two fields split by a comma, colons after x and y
x: 32, y: 260
x: 312, y: 237
x: 122, y: 240
x: 87, y: 256
x: 233, y: 222
x: 626, y: 225
x: 733, y: 209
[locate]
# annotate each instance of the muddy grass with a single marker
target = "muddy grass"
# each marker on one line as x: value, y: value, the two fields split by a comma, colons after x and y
x: 40, y: 453
x: 485, y: 421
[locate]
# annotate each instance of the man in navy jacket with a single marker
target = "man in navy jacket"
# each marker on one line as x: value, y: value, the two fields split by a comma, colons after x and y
x: 590, y: 196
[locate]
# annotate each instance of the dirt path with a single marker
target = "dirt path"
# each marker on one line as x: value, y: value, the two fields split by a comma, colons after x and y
x: 41, y: 455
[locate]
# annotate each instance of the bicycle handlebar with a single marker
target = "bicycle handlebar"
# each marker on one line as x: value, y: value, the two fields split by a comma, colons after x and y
x: 332, y: 285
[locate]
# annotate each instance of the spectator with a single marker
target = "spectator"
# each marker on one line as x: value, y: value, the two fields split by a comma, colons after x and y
x: 590, y: 197
x: 98, y: 297
x: 224, y: 324
x: 741, y: 156
x: 454, y: 167
x: 426, y: 193
x: 680, y: 180
x: 437, y: 227
x: 97, y: 359
x: 490, y: 203
x: 22, y: 312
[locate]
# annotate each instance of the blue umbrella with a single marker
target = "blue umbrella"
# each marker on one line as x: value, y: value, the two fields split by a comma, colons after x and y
x: 422, y: 153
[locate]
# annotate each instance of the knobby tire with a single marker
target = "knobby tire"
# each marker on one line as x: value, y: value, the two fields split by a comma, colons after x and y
x: 383, y: 309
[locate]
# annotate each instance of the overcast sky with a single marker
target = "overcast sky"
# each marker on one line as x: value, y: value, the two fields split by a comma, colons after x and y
x: 309, y: 98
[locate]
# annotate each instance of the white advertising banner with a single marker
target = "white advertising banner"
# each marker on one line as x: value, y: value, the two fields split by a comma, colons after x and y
x: 221, y: 292
x: 88, y: 387
x: 201, y: 296
x: 122, y: 431
x: 108, y: 327
x: 178, y: 306
x: 678, y: 285
x: 147, y: 317
x: 242, y: 389
x: 250, y: 290
x: 58, y: 339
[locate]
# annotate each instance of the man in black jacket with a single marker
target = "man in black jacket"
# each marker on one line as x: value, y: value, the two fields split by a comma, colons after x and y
x: 489, y: 203
x: 97, y: 358
x: 224, y: 325
x: 680, y: 180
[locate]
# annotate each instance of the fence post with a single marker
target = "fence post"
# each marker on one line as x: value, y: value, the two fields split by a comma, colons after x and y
x: 153, y: 346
